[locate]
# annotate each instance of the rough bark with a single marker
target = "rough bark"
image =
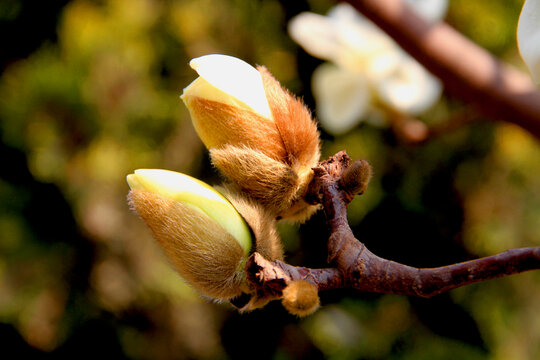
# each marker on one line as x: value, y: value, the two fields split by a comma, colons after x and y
x: 354, y: 266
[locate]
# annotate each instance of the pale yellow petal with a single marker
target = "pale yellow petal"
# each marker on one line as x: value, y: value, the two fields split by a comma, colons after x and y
x: 410, y: 89
x: 227, y: 76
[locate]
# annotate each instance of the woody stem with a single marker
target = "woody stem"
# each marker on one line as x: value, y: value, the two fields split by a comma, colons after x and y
x: 365, y: 271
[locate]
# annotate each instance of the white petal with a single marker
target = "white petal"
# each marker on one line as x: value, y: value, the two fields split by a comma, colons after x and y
x: 411, y: 89
x: 342, y: 98
x: 528, y: 35
x: 316, y: 34
x: 361, y: 41
x: 361, y: 44
x: 430, y: 10
x: 344, y: 12
x: 384, y: 64
x: 234, y: 77
x: 344, y: 37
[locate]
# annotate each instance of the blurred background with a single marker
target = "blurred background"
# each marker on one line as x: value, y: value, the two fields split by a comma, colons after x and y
x: 89, y: 92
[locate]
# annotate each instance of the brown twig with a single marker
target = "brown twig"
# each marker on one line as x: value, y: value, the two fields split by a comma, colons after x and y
x: 356, y: 267
x: 412, y: 131
x: 468, y: 71
x: 274, y: 276
x: 365, y: 271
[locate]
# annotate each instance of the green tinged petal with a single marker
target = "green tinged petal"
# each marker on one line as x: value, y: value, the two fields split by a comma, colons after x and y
x: 188, y: 190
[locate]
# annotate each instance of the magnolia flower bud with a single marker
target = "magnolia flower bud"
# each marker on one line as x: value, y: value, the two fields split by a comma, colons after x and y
x: 259, y: 136
x: 205, y: 235
x: 199, y: 229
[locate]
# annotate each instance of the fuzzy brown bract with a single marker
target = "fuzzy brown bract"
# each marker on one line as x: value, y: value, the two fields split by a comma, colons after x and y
x: 300, y: 298
x: 261, y: 222
x: 296, y: 127
x: 219, y: 124
x: 270, y: 182
x: 273, y: 164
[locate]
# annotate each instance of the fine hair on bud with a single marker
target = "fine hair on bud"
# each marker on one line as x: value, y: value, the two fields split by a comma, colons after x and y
x: 300, y: 139
x: 259, y: 135
x: 300, y: 298
x: 273, y: 184
x: 222, y: 124
x: 294, y: 123
x: 260, y: 220
x: 270, y: 182
x: 200, y: 249
x: 299, y: 211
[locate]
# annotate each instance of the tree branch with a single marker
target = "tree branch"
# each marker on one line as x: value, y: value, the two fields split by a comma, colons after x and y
x: 274, y: 276
x: 468, y: 71
x: 412, y: 131
x: 357, y: 267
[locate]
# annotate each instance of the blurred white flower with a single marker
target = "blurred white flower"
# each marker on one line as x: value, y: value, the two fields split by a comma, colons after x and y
x: 368, y: 66
x: 342, y: 97
x: 528, y: 36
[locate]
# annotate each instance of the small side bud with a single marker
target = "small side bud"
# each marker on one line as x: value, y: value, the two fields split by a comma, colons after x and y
x: 356, y: 177
x: 300, y: 298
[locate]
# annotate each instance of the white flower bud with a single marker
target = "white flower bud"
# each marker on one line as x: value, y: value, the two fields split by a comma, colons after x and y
x: 260, y: 137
